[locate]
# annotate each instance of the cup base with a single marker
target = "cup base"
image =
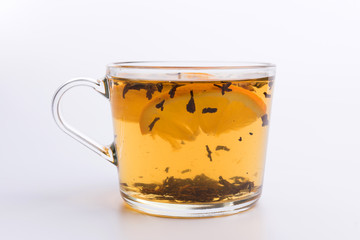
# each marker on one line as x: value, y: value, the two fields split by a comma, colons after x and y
x: 190, y: 210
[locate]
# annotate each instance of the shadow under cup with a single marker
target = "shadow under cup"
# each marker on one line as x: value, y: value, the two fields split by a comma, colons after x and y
x: 190, y: 137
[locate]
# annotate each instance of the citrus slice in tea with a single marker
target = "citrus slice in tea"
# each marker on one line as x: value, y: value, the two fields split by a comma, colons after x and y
x: 211, y: 108
x: 132, y: 97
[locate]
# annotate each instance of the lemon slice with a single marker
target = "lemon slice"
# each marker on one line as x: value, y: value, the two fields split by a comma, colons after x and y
x: 211, y: 108
x: 128, y: 103
x: 129, y: 99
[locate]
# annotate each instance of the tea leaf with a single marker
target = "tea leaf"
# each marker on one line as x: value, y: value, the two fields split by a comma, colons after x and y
x: 185, y: 171
x: 209, y: 110
x: 259, y: 84
x: 222, y: 148
x: 159, y: 87
x: 199, y: 189
x: 153, y: 123
x: 267, y: 95
x: 224, y: 87
x: 160, y: 105
x: 173, y: 90
x: 209, y: 153
x: 265, y: 120
x: 190, y: 107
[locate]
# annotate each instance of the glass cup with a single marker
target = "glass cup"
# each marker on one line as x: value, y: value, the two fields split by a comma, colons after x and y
x: 190, y: 137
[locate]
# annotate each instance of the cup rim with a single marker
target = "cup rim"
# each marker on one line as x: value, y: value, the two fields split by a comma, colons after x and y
x: 195, y: 65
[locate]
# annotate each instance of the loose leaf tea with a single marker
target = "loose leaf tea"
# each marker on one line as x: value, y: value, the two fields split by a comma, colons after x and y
x: 190, y: 107
x: 224, y: 87
x: 159, y: 87
x: 185, y: 171
x: 160, y: 105
x: 149, y: 87
x: 267, y: 95
x: 198, y: 189
x: 265, y: 120
x: 133, y: 86
x: 173, y: 90
x: 208, y: 152
x: 209, y: 110
x: 153, y: 123
x: 247, y: 86
x: 259, y: 84
x: 222, y: 148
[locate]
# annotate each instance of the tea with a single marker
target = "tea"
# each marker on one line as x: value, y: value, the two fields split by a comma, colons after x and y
x: 191, y: 141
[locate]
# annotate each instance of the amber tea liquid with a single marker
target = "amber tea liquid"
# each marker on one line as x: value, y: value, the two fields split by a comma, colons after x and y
x: 191, y: 142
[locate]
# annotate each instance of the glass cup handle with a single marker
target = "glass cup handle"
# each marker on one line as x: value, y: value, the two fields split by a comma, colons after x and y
x: 101, y: 86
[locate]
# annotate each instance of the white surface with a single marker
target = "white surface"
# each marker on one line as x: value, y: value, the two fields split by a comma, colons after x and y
x: 54, y: 188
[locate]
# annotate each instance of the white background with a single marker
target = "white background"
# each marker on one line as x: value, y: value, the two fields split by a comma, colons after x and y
x: 51, y: 187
